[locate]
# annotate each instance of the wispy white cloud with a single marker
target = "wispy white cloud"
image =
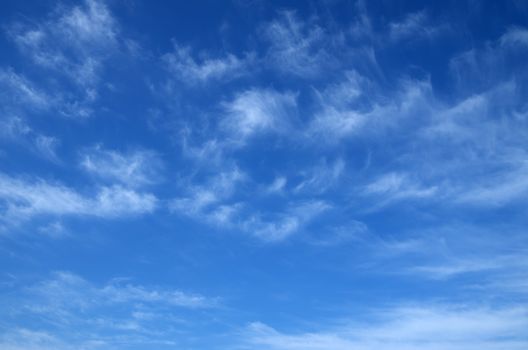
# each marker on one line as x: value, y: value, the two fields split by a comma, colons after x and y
x: 24, y: 198
x: 133, y: 169
x: 477, y: 257
x: 252, y: 113
x: 483, y: 135
x: 475, y: 120
x: 277, y: 186
x: 190, y: 70
x: 16, y: 129
x: 398, y: 186
x: 72, y: 41
x: 274, y: 229
x: 90, y: 23
x: 489, y: 148
x: 211, y: 200
x: 361, y: 27
x: 515, y: 37
x: 296, y: 47
x: 78, y: 314
x: 22, y: 93
x: 430, y: 327
x: 258, y: 111
x: 47, y: 146
x: 118, y: 201
x: 279, y: 226
x: 72, y: 44
x: 454, y: 122
x: 26, y: 339
x: 332, y: 122
x: 481, y: 68
x: 411, y: 26
x: 67, y: 291
x: 54, y: 229
x: 219, y: 201
x: 457, y: 267
x: 357, y: 106
x: 496, y: 189
x: 415, y: 25
x: 321, y: 177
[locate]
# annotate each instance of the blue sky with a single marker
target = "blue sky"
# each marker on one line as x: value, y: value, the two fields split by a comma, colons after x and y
x: 323, y: 175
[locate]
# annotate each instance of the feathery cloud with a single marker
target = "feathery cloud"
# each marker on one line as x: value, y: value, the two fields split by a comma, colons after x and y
x: 258, y: 111
x: 190, y: 70
x: 133, y: 169
x: 420, y: 327
x: 24, y: 198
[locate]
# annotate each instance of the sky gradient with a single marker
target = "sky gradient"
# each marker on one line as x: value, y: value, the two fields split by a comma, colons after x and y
x: 264, y: 175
